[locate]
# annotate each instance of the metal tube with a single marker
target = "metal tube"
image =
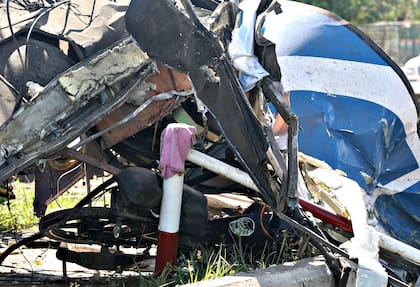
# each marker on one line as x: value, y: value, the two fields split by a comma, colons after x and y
x: 221, y: 168
x: 175, y: 143
x: 404, y: 250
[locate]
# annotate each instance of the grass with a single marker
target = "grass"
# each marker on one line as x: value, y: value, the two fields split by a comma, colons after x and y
x: 206, y: 263
x: 18, y: 214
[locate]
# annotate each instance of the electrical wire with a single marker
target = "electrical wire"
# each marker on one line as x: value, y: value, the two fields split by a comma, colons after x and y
x: 66, y: 19
x: 30, y: 6
x: 12, y: 32
x: 265, y: 231
x: 25, y: 61
x: 132, y: 115
x: 28, y: 36
x: 9, y: 85
x: 63, y: 175
x: 34, y: 15
x: 77, y: 13
x: 92, y: 11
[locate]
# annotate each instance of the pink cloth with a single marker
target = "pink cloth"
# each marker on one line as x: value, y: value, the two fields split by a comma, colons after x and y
x: 176, y: 141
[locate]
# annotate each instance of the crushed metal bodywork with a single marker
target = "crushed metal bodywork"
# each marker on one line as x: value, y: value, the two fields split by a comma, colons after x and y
x: 44, y: 125
x: 348, y: 117
x: 123, y: 77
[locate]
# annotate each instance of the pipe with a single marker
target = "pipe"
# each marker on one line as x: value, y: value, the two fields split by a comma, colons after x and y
x: 400, y: 248
x: 239, y: 176
x: 221, y: 168
x: 326, y: 215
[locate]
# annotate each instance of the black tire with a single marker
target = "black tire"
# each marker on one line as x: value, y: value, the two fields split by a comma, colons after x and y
x: 45, y: 62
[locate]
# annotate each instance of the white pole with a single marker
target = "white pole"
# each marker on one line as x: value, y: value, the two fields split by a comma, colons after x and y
x: 175, y: 143
x: 170, y: 208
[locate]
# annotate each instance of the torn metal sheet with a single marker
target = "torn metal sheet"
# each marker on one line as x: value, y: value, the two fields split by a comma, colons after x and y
x: 355, y: 107
x: 241, y: 48
x: 365, y: 243
x: 164, y: 81
x: 104, y: 70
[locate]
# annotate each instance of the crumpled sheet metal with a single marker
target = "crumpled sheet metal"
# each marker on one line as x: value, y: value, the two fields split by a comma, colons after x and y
x: 42, y: 127
x: 106, y: 26
x: 104, y: 70
x: 355, y: 107
x: 241, y: 48
x: 399, y: 213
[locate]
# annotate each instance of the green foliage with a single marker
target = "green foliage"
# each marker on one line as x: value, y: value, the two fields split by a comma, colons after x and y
x: 368, y: 11
x: 206, y: 263
x: 21, y: 216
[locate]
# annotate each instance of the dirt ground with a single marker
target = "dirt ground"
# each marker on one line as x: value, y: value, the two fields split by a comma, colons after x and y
x: 40, y: 267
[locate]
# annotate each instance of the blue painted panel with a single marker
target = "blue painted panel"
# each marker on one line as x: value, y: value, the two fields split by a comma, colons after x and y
x: 353, y: 134
x: 333, y: 130
x: 399, y: 214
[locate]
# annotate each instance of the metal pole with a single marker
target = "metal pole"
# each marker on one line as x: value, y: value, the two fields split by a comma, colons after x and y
x: 176, y: 141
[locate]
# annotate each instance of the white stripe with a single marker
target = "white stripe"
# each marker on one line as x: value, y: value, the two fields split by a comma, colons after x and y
x: 370, y: 82
x: 404, y: 182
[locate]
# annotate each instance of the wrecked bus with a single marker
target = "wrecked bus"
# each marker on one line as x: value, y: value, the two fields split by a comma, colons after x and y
x: 104, y: 83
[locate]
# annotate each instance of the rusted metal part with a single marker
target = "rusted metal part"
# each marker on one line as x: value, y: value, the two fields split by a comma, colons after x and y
x: 273, y: 95
x: 326, y: 215
x: 6, y: 191
x: 166, y: 80
x: 51, y: 183
x: 58, y: 175
x: 90, y: 160
x: 151, y: 114
x: 93, y: 225
x: 44, y: 115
